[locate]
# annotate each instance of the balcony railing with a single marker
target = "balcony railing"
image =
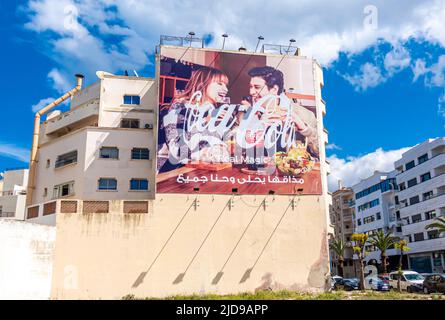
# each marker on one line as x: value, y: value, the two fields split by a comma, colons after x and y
x: 403, y: 171
x: 7, y: 214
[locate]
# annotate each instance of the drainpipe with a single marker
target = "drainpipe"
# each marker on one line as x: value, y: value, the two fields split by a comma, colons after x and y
x: 35, y: 138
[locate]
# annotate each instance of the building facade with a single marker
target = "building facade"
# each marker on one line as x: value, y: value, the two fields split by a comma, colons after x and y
x: 103, y: 148
x: 13, y: 194
x: 375, y: 211
x: 421, y: 198
x: 96, y: 181
x: 342, y: 218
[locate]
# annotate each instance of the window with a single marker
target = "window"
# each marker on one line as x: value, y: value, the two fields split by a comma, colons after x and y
x: 67, y: 158
x: 416, y: 218
x: 409, y: 238
x: 423, y: 158
x: 430, y: 215
x: 412, y: 182
x: 433, y: 234
x: 136, y: 100
x: 414, y: 200
x: 130, y: 123
x: 140, y: 154
x: 107, y: 184
x: 359, y: 222
x: 402, y: 186
x: 368, y: 220
x: 399, y: 229
x: 109, y: 153
x: 419, y: 237
x: 63, y: 190
x: 368, y: 205
x: 425, y: 177
x: 410, y: 165
x: 48, y: 163
x: 45, y: 192
x: 398, y: 215
x: 427, y: 195
x: 396, y: 199
x: 138, y: 184
x: 378, y: 215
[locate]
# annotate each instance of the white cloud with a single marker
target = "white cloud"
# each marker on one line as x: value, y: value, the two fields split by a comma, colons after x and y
x: 60, y: 81
x: 321, y: 28
x: 419, y: 69
x: 353, y: 169
x: 369, y: 76
x: 42, y: 103
x: 333, y: 146
x: 397, y: 59
x: 15, y: 152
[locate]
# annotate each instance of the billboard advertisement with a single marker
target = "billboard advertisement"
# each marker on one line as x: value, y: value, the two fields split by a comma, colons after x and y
x: 234, y: 122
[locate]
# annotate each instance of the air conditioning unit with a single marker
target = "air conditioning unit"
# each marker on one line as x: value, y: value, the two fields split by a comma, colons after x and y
x: 148, y: 126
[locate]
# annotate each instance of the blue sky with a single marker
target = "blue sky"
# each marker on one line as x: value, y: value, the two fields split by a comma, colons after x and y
x: 383, y: 66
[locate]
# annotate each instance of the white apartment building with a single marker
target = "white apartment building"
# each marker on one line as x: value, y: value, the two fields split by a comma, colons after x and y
x: 103, y: 148
x: 13, y: 194
x: 342, y: 218
x: 421, y: 198
x: 375, y: 210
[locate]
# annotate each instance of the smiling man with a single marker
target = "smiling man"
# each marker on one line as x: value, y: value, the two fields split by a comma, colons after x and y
x: 269, y: 81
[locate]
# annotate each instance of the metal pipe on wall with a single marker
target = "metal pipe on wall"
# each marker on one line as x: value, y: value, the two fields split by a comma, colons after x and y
x: 35, y: 138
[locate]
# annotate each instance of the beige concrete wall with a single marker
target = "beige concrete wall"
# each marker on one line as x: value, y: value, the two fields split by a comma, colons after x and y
x: 26, y: 258
x: 107, y: 256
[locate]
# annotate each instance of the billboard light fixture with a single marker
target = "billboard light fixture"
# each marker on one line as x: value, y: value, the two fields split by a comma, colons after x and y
x: 258, y: 43
x: 225, y: 35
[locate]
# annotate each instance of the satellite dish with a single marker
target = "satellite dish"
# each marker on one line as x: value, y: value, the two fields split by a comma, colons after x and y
x: 101, y: 74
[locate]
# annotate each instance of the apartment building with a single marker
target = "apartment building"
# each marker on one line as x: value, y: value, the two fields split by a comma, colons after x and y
x: 421, y: 198
x: 102, y: 148
x: 375, y: 211
x: 342, y: 218
x: 13, y: 184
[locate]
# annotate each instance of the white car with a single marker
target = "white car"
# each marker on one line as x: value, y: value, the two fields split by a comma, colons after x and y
x: 410, y: 281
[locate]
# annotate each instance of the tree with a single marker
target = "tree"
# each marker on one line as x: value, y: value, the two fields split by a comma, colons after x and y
x: 360, y: 240
x: 440, y: 224
x: 338, y: 246
x: 383, y: 241
x: 401, y: 245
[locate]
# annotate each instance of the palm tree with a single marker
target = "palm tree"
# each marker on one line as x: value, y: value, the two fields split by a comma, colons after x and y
x: 440, y: 224
x: 338, y: 246
x: 360, y: 240
x: 383, y: 242
x: 402, y: 246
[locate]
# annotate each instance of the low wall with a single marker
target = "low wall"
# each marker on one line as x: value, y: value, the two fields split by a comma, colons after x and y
x: 26, y: 257
x: 182, y: 246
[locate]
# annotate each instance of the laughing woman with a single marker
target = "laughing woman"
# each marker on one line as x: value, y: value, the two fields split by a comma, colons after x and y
x: 178, y: 143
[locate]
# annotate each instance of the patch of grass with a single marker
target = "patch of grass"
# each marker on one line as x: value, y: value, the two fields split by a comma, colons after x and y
x: 294, y: 295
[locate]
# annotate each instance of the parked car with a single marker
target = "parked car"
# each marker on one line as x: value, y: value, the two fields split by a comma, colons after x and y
x: 351, y: 284
x: 378, y: 284
x: 335, y: 282
x: 434, y: 283
x: 384, y: 278
x: 410, y: 281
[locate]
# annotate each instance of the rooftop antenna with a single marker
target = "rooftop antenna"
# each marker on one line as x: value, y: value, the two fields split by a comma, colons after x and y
x: 191, y: 34
x: 225, y: 35
x: 258, y: 43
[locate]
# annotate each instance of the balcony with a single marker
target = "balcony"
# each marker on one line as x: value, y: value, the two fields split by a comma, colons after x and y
x: 427, y: 245
x: 85, y: 113
x: 434, y: 202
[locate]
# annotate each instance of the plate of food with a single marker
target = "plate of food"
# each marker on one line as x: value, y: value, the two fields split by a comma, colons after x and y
x: 296, y: 161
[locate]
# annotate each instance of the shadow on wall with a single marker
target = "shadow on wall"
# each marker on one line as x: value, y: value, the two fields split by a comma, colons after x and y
x: 220, y: 274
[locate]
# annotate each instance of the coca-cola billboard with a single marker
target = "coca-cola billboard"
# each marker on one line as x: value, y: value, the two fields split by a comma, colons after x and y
x: 234, y: 122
